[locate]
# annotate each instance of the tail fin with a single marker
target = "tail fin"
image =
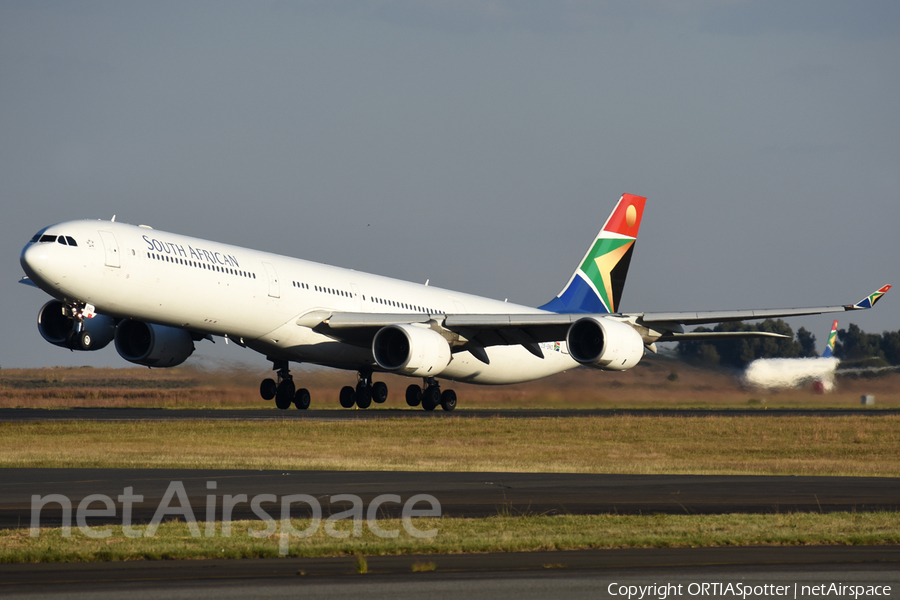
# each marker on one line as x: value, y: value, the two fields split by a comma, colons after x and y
x: 597, y: 284
x: 829, y: 347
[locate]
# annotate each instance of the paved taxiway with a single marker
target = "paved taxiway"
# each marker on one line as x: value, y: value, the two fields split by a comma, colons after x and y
x: 11, y: 415
x: 460, y: 494
x: 571, y: 575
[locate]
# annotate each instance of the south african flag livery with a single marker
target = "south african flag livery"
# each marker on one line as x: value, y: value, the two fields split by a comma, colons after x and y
x: 832, y: 338
x: 870, y: 301
x: 597, y: 284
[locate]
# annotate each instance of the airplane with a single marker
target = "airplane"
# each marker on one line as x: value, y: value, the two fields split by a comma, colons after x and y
x: 782, y: 373
x: 155, y: 294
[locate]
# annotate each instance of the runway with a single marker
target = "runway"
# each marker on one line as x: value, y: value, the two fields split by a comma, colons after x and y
x: 566, y: 574
x: 459, y: 494
x: 13, y: 415
x: 571, y: 574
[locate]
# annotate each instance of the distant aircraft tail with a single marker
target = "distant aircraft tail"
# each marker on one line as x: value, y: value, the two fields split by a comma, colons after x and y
x: 597, y: 284
x: 829, y: 347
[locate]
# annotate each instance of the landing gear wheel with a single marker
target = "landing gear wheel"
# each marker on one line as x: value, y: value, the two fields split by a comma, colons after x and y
x: 348, y: 397
x: 84, y: 340
x: 448, y: 400
x: 284, y: 395
x: 414, y: 395
x: 379, y: 392
x: 431, y: 397
x: 267, y: 389
x: 363, y: 395
x: 301, y: 399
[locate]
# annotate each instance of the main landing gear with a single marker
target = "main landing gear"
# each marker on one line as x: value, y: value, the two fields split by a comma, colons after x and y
x: 284, y: 392
x: 431, y: 397
x: 365, y: 393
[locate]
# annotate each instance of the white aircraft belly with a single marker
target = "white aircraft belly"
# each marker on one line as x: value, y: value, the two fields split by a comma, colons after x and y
x: 509, y: 364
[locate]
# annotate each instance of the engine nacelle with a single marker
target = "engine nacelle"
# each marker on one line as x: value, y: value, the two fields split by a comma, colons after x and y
x: 605, y: 344
x: 57, y: 326
x: 411, y: 350
x: 153, y: 345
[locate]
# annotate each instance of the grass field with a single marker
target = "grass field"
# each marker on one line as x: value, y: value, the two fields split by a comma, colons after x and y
x: 657, y: 382
x: 854, y: 445
x: 845, y: 445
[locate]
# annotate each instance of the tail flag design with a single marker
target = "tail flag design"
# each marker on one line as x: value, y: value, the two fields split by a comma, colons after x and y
x: 829, y: 347
x: 870, y: 300
x: 597, y: 284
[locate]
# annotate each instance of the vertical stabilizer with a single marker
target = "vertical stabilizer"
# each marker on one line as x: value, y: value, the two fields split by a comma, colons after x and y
x: 597, y: 284
x: 829, y: 347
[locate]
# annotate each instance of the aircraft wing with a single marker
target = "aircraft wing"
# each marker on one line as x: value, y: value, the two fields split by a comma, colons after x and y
x: 474, y: 332
x: 722, y: 316
x: 672, y: 323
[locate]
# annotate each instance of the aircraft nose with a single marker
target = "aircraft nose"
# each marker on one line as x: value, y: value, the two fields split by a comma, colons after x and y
x: 33, y: 260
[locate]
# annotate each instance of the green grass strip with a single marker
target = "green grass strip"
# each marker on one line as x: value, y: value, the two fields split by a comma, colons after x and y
x: 501, y: 533
x: 842, y: 446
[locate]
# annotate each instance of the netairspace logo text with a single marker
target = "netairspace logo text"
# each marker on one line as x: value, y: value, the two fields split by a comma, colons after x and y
x: 746, y: 590
x: 176, y: 490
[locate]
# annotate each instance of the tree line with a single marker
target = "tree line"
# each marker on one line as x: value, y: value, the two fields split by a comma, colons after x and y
x: 853, y: 345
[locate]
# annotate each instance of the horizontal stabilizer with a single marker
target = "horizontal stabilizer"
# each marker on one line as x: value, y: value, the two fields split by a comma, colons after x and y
x: 699, y: 336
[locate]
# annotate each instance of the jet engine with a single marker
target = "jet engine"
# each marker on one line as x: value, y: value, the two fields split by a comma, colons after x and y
x: 605, y: 344
x: 153, y: 345
x: 411, y: 350
x: 57, y: 326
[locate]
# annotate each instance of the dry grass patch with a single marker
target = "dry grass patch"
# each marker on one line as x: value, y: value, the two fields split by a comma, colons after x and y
x: 657, y: 382
x: 860, y: 446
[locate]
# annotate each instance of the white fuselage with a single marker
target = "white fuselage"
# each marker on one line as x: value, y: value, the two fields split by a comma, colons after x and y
x: 256, y: 298
x: 784, y: 373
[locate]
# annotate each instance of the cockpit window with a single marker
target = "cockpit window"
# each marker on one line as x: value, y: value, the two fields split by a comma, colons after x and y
x: 65, y: 240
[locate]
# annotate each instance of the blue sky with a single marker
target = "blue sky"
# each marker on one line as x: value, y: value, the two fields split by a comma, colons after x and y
x: 480, y: 145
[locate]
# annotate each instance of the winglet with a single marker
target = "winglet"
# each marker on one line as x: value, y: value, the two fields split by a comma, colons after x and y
x: 870, y: 300
x: 597, y: 284
x: 829, y: 347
